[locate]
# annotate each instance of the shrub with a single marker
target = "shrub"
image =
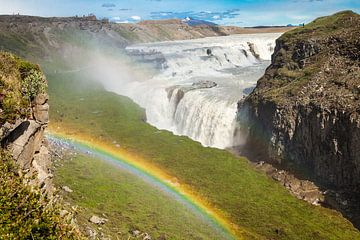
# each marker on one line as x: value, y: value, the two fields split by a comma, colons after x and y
x: 34, y: 84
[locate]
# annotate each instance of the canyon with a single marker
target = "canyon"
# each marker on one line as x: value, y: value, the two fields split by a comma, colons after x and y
x: 302, y: 115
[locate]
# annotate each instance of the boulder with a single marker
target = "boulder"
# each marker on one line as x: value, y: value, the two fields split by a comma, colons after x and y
x: 97, y: 220
x: 67, y: 189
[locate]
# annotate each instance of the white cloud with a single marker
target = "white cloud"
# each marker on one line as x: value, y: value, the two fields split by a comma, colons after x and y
x: 126, y: 21
x: 136, y: 18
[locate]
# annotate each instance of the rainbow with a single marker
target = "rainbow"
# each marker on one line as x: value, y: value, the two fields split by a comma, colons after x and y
x: 155, y: 177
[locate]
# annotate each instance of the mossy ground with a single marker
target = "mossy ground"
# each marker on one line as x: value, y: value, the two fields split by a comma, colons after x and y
x: 316, y: 64
x: 127, y: 202
x: 250, y: 199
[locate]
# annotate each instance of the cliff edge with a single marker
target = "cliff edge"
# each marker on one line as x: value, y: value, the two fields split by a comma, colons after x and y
x: 305, y: 110
x: 24, y: 117
x: 28, y: 208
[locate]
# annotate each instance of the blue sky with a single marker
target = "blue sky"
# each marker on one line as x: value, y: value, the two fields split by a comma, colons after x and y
x: 225, y: 12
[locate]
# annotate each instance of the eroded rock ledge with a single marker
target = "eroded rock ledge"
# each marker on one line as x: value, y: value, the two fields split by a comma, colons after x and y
x: 26, y: 141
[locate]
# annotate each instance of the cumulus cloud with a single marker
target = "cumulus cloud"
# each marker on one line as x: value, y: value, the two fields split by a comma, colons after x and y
x: 136, y: 18
x: 201, y: 15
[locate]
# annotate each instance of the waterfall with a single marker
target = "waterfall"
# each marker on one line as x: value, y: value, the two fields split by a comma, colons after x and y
x: 199, y: 83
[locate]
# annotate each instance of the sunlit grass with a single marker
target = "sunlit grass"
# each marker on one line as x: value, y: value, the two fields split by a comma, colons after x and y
x: 103, y: 189
x: 250, y: 199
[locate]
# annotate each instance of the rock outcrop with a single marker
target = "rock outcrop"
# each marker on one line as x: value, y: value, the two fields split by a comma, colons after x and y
x: 29, y: 207
x: 305, y: 110
x: 23, y: 135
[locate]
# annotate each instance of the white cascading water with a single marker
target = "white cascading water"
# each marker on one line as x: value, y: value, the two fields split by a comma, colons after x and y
x: 199, y: 83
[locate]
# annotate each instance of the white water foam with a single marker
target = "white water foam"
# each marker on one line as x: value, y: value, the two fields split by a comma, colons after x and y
x: 206, y: 115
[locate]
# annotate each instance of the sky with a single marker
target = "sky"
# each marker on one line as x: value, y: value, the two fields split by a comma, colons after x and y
x: 223, y: 12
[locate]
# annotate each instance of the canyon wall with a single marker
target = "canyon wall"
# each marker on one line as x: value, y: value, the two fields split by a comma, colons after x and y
x: 305, y: 110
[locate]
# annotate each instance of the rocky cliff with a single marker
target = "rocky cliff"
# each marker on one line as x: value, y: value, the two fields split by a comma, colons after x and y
x: 305, y: 110
x: 28, y: 206
x: 24, y: 117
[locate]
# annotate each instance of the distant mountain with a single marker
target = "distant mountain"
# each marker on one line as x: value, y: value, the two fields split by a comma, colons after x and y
x: 196, y: 22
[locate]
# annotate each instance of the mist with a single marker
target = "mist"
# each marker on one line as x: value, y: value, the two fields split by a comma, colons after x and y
x: 190, y: 87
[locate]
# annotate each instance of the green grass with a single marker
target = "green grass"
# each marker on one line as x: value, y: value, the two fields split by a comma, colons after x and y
x: 250, y: 199
x: 323, y: 26
x: 128, y: 202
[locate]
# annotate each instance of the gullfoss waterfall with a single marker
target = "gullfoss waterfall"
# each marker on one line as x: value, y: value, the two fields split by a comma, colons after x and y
x: 198, y: 83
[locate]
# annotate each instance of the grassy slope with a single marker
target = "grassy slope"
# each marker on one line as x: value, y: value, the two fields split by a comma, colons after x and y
x: 289, y: 82
x: 128, y: 203
x: 249, y: 198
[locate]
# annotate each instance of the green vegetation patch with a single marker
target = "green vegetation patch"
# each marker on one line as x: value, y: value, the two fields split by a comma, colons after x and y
x: 313, y: 62
x: 25, y: 213
x: 20, y: 82
x: 323, y: 26
x: 105, y: 190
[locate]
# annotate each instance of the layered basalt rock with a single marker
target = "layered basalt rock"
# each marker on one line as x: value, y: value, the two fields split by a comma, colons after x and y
x: 305, y: 110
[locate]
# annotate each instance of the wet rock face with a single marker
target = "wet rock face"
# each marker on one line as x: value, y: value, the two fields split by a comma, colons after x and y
x: 326, y: 143
x: 305, y: 110
x: 329, y: 143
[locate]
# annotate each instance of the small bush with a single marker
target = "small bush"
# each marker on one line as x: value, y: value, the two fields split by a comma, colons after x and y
x: 34, y: 84
x: 20, y: 81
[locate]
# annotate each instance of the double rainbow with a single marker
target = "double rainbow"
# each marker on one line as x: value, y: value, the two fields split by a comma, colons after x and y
x: 155, y: 177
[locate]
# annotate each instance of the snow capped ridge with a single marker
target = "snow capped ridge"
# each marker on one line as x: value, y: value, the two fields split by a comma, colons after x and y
x: 196, y: 22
